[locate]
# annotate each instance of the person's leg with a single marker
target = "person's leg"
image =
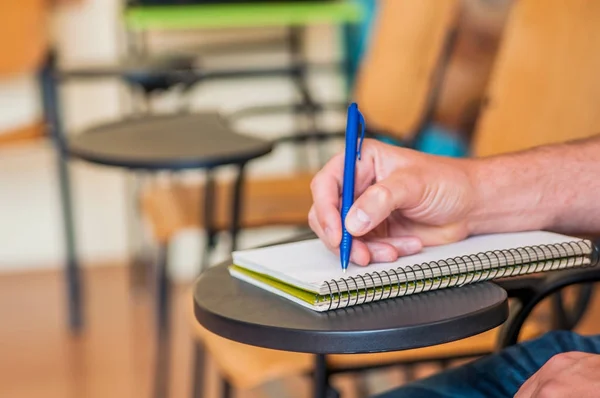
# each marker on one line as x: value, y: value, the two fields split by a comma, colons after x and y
x: 498, y: 375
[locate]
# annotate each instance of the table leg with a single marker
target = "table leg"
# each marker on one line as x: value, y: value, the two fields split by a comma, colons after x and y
x: 320, y: 377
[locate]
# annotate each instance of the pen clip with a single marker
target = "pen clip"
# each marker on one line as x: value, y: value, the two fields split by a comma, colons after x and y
x: 362, y: 135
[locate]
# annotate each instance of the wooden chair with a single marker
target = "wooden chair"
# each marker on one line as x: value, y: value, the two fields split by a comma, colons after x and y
x: 544, y: 86
x: 397, y: 81
x: 23, y: 39
x: 544, y: 89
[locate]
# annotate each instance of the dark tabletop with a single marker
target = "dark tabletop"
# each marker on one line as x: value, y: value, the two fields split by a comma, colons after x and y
x: 242, y: 312
x: 197, y: 140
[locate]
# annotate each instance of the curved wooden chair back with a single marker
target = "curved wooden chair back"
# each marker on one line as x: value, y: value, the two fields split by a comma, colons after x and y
x: 23, y: 36
x: 397, y: 75
x: 545, y: 86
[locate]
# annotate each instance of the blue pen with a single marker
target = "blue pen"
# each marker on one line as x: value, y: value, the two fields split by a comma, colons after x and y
x: 351, y: 154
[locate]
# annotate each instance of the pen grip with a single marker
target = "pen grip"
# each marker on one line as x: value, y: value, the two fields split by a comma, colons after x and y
x: 346, y: 237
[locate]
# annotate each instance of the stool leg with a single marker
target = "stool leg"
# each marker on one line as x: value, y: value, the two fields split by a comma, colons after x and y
x: 236, y: 207
x: 163, y: 295
x: 208, y: 216
x: 198, y: 371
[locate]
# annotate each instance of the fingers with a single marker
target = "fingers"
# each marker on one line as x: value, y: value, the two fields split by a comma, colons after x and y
x: 377, y: 203
x: 369, y: 250
x: 326, y: 189
x: 403, y: 246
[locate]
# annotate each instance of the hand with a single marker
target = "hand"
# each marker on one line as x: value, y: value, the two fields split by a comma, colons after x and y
x: 571, y: 374
x: 405, y: 200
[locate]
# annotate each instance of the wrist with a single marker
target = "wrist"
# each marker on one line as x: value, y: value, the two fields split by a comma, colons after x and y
x: 508, y: 195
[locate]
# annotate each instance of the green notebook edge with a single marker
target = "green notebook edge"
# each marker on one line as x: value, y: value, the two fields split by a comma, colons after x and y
x: 301, y: 294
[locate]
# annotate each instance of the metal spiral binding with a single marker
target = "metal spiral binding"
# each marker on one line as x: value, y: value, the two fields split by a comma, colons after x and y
x: 459, y: 271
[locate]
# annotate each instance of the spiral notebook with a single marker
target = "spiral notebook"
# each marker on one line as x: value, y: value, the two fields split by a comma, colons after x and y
x: 308, y: 274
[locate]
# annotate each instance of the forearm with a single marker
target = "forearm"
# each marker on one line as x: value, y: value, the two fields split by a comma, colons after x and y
x: 553, y: 187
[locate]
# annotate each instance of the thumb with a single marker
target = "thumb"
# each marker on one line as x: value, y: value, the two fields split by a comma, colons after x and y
x: 378, y: 201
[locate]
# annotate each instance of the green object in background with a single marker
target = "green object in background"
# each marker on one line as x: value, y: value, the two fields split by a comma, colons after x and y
x: 241, y: 15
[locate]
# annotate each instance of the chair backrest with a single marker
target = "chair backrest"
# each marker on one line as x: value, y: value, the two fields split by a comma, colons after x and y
x: 396, y: 77
x: 23, y: 36
x: 545, y: 86
x: 24, y: 40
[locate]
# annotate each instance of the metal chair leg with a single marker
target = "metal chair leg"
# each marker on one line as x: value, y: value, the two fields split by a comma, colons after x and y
x: 321, y: 377
x: 225, y: 388
x: 139, y: 262
x: 236, y: 207
x: 198, y: 371
x: 208, y: 215
x: 163, y: 295
x: 72, y: 272
x: 51, y: 109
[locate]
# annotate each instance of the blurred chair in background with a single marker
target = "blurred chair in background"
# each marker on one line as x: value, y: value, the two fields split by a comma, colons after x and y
x: 146, y: 142
x: 544, y: 89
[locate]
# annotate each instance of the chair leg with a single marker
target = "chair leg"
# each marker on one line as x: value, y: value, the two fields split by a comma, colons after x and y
x: 72, y: 271
x: 225, y: 388
x: 208, y: 219
x: 51, y: 109
x: 321, y: 387
x: 236, y: 207
x: 362, y: 388
x: 163, y: 295
x: 198, y: 371
x: 139, y: 262
x: 409, y: 372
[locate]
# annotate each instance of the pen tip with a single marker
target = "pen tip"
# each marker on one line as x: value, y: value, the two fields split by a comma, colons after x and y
x: 344, y: 270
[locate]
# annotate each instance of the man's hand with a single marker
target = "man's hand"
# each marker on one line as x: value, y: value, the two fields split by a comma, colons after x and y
x: 567, y: 375
x: 404, y: 200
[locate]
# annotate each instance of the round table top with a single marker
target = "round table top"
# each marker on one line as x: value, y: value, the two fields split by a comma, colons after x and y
x: 180, y: 141
x: 247, y: 314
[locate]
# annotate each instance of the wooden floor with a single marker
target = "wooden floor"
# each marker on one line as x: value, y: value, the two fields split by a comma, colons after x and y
x: 114, y: 356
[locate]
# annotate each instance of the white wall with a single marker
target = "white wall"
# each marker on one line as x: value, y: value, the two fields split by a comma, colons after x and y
x: 30, y: 223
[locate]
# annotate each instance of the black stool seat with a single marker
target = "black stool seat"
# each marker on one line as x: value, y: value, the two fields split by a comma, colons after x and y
x: 180, y: 141
x: 244, y: 313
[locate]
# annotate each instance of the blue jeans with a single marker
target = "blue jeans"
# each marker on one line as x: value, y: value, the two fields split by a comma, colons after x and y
x: 498, y: 375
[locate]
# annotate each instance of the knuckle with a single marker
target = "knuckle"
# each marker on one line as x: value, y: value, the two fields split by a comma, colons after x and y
x: 550, y: 389
x: 381, y: 194
x: 558, y: 360
x: 314, y: 183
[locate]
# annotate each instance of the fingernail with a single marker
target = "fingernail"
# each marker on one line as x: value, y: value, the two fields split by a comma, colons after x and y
x: 359, y: 222
x: 412, y: 246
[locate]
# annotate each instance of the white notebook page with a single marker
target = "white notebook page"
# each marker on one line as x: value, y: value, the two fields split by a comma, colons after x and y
x: 307, y: 264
